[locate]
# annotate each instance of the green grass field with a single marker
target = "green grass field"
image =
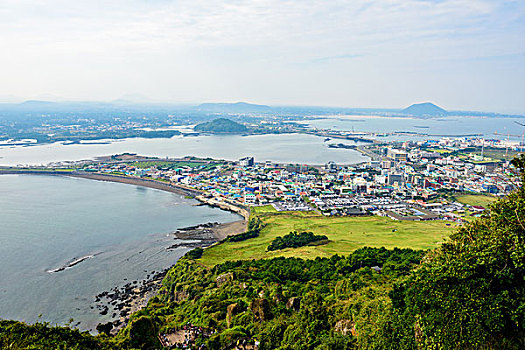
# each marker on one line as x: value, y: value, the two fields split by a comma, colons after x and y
x: 476, y: 199
x: 498, y: 154
x: 346, y: 234
x: 263, y: 210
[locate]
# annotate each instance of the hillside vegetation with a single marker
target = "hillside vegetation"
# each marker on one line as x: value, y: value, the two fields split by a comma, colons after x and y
x: 282, y: 303
x: 17, y: 336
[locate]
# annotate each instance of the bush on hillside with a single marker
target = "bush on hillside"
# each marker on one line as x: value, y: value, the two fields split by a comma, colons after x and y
x: 295, y: 240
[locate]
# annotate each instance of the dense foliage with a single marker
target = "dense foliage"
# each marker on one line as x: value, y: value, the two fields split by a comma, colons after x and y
x: 17, y: 335
x: 285, y: 303
x: 195, y: 253
x: 242, y: 236
x: 294, y: 240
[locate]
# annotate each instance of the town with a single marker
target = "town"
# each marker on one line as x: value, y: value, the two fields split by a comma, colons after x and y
x: 403, y: 180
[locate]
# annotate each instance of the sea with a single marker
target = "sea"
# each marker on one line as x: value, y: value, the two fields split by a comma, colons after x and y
x: 48, y: 222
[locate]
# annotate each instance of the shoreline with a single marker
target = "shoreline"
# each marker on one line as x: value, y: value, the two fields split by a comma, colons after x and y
x: 168, y: 187
x: 123, y: 300
x: 150, y: 183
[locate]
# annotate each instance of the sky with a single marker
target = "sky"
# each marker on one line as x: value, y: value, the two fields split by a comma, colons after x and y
x: 459, y: 54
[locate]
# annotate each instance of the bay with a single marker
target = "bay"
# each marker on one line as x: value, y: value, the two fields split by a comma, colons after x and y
x: 48, y: 221
x: 281, y: 148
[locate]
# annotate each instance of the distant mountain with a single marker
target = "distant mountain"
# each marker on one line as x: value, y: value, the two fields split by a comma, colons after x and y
x: 221, y: 125
x: 238, y: 107
x: 426, y: 109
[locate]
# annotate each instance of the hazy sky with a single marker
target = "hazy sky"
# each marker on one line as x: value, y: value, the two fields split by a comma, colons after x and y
x: 460, y: 54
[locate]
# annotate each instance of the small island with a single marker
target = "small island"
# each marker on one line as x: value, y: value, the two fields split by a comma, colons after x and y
x: 221, y: 126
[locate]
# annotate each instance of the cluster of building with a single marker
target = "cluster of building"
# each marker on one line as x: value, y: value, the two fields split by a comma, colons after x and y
x: 406, y: 181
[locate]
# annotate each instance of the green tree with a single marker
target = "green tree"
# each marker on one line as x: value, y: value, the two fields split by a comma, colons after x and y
x: 470, y: 293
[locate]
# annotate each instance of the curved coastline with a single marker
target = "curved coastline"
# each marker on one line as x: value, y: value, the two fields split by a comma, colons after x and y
x: 127, y: 299
x: 150, y: 183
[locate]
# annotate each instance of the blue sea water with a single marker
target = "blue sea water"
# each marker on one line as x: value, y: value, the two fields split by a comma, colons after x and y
x: 48, y: 221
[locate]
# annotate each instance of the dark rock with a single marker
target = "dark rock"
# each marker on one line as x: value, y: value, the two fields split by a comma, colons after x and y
x: 261, y: 309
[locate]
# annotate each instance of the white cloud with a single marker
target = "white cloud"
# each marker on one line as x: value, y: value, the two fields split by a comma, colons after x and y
x: 214, y: 49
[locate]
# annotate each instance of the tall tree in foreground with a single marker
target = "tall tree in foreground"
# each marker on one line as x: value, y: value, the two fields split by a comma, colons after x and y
x: 470, y: 293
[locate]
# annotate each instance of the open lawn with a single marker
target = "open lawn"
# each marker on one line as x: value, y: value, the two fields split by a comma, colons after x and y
x: 476, y: 199
x: 263, y: 210
x: 346, y: 234
x: 498, y: 154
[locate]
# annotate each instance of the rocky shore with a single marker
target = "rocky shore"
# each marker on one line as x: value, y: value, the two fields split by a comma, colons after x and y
x: 121, y: 302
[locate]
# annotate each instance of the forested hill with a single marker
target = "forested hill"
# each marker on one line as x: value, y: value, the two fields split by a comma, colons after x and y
x: 466, y: 294
x: 221, y: 125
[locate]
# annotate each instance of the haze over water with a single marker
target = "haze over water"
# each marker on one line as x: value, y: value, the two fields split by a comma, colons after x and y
x: 433, y: 128
x: 48, y: 221
x: 283, y: 148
